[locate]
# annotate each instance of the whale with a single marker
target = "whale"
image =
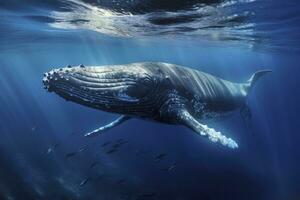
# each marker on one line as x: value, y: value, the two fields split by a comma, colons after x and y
x: 156, y: 91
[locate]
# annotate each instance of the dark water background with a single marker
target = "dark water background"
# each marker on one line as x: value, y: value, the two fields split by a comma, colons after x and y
x: 230, y: 39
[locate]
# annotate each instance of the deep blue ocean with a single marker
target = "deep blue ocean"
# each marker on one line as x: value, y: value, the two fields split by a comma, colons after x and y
x: 43, y: 153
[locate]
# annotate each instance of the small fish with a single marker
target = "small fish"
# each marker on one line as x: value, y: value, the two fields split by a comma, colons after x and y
x: 106, y: 143
x: 50, y: 150
x: 94, y: 164
x: 119, y: 144
x: 33, y: 128
x: 70, y: 155
x: 160, y: 157
x: 170, y: 168
x: 112, y: 151
x: 122, y: 180
x: 120, y: 140
x: 83, y: 148
x: 85, y: 181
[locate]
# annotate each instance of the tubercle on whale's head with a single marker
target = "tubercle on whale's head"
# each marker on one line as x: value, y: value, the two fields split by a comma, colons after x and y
x: 100, y: 87
x: 59, y: 75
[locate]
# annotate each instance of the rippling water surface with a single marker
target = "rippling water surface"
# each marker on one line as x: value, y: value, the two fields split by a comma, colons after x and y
x: 43, y: 154
x: 255, y: 23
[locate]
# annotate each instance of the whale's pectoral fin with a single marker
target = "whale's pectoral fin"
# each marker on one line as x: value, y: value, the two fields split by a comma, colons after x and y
x: 188, y: 120
x: 114, y: 123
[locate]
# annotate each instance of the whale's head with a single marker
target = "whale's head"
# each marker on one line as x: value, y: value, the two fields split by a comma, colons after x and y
x: 120, y: 89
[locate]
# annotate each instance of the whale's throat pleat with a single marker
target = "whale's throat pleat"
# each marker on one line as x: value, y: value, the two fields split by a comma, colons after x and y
x: 110, y: 89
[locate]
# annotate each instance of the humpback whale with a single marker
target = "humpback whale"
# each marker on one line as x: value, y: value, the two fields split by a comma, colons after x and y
x: 156, y: 91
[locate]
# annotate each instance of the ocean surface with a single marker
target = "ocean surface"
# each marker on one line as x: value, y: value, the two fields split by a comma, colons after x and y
x: 43, y: 153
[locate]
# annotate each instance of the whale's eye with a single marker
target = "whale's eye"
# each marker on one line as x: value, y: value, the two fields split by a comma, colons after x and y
x: 123, y: 95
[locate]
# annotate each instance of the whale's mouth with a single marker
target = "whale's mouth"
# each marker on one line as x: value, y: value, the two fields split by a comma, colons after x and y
x: 99, y: 87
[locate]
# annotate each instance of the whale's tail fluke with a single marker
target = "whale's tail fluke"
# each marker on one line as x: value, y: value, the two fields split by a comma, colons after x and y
x: 251, y: 82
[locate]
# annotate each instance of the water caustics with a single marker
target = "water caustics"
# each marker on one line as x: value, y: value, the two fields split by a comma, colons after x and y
x: 214, y: 20
x: 242, y: 22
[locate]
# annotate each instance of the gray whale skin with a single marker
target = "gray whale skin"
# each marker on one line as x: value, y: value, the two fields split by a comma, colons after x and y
x: 160, y: 92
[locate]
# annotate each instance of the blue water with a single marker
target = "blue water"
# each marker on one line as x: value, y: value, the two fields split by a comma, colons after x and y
x: 230, y: 39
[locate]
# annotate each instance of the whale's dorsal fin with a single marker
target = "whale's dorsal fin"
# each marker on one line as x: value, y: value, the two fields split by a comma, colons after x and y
x: 253, y: 79
x: 188, y: 120
x: 114, y: 123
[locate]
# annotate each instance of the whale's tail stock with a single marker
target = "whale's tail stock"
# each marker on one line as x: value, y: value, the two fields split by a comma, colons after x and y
x: 253, y: 79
